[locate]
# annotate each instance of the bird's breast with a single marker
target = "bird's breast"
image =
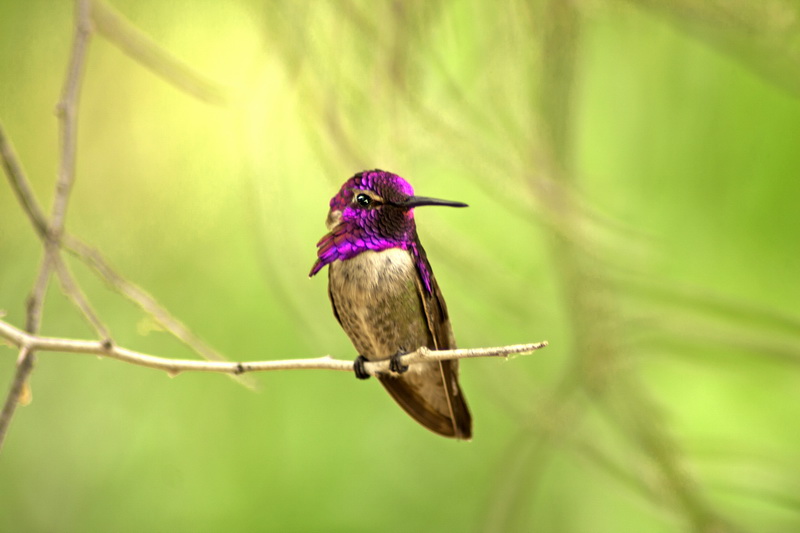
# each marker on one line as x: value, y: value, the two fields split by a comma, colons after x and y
x: 376, y: 298
x: 374, y: 272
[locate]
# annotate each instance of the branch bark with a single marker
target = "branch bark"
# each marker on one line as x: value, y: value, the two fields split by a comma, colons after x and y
x: 30, y: 342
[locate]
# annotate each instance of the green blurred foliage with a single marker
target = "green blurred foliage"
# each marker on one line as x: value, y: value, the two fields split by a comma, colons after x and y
x: 631, y: 171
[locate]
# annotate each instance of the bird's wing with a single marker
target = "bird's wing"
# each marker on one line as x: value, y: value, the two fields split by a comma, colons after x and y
x: 438, y: 320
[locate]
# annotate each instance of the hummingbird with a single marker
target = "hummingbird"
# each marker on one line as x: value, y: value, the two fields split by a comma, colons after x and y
x: 386, y: 299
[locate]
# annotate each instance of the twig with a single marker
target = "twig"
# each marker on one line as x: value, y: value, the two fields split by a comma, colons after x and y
x: 26, y: 357
x: 21, y: 186
x: 67, y: 111
x: 95, y: 260
x: 78, y: 298
x: 18, y: 386
x: 133, y: 292
x: 27, y: 341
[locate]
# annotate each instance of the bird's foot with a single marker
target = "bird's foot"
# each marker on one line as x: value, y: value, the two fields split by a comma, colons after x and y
x: 358, y: 367
x: 396, y: 364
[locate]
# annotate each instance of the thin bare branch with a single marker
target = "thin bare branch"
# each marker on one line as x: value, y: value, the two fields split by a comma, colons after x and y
x: 16, y: 392
x: 95, y: 260
x: 117, y: 29
x: 21, y: 186
x: 67, y: 111
x: 27, y: 341
x: 77, y: 296
x: 26, y: 358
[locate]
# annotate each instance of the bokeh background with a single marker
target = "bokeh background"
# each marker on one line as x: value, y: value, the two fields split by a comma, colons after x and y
x: 631, y: 169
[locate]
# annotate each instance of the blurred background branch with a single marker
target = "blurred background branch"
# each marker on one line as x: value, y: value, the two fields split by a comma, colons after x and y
x: 763, y: 36
x: 117, y: 29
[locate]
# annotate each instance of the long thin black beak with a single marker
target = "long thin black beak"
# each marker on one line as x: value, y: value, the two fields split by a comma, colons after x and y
x: 418, y: 201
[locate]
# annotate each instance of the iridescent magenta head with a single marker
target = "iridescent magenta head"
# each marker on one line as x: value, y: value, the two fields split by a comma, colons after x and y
x: 374, y: 210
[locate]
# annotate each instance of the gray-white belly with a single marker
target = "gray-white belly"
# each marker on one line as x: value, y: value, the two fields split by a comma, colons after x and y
x: 376, y: 297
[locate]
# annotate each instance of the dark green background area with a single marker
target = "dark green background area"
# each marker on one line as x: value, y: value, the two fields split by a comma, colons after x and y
x: 631, y: 169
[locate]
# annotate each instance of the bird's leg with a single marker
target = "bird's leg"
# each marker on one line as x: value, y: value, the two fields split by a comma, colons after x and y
x: 358, y: 367
x: 396, y: 365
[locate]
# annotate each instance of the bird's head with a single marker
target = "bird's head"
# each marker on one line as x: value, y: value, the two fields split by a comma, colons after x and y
x: 373, y: 210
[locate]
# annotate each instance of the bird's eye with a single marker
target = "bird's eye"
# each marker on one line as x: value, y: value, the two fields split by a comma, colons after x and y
x: 363, y: 200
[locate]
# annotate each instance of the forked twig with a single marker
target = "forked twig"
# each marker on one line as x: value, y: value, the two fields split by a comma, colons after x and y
x: 67, y: 112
